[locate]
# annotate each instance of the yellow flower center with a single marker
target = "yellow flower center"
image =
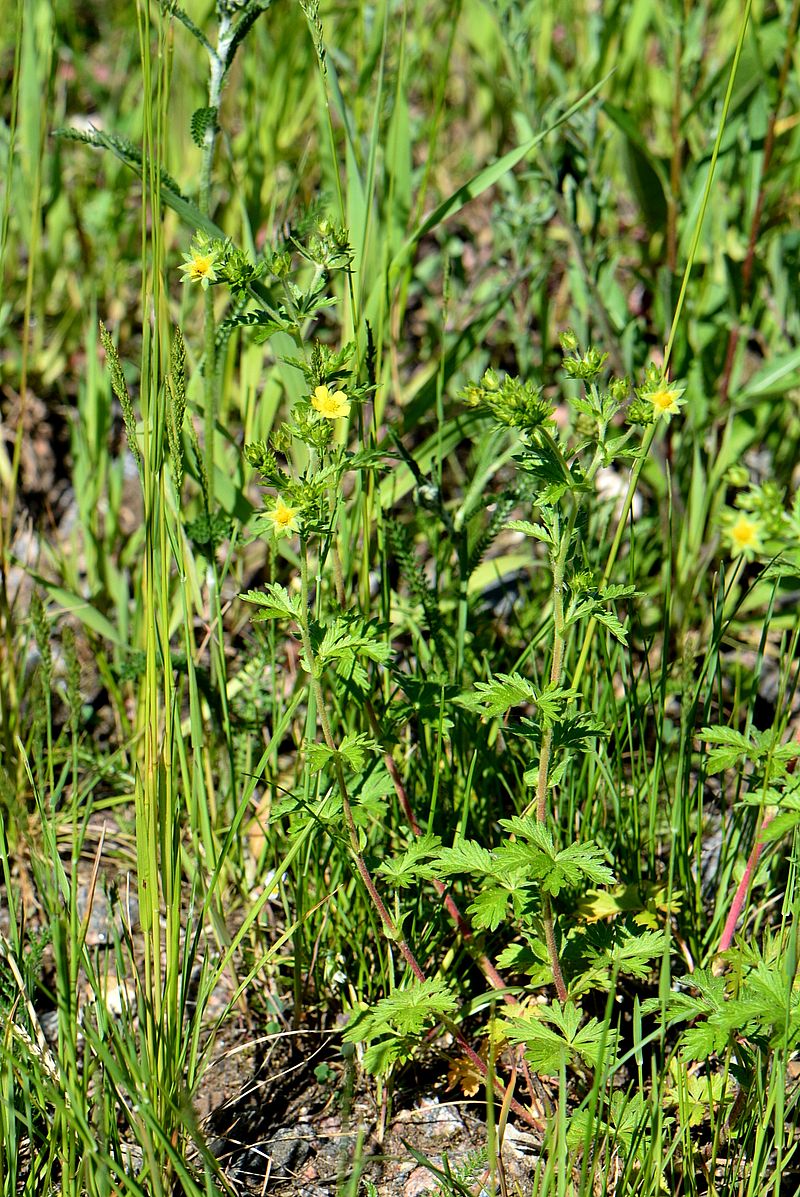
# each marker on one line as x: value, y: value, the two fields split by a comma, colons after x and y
x: 664, y: 401
x: 745, y: 534
x: 202, y: 266
x: 283, y: 516
x: 198, y: 267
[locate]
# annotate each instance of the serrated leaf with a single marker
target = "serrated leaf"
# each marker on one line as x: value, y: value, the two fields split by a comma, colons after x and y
x: 583, y: 860
x: 406, y: 1011
x: 414, y: 865
x: 609, y: 620
x: 528, y: 828
x: 550, y: 1047
x: 504, y: 691
x: 731, y: 748
x: 465, y: 856
x: 623, y: 951
x: 537, y: 531
x: 779, y: 826
x: 379, y: 1057
x: 702, y: 1040
x: 354, y: 748
x: 489, y: 907
x: 350, y: 753
x: 318, y: 756
x: 551, y: 702
x: 274, y: 602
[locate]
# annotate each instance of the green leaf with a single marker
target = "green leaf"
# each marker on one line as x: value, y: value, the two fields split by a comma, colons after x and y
x: 466, y: 856
x: 406, y: 1011
x: 609, y: 620
x: 488, y: 909
x: 537, y: 531
x: 414, y: 865
x: 620, y: 950
x: 350, y: 753
x: 504, y: 691
x: 551, y: 1047
x: 274, y: 602
x: 379, y: 1057
x: 319, y: 755
x: 734, y: 748
x: 202, y: 120
x: 354, y: 748
x: 534, y: 852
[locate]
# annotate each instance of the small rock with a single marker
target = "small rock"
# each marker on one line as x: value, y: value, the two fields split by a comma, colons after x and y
x: 289, y: 1148
x: 420, y: 1181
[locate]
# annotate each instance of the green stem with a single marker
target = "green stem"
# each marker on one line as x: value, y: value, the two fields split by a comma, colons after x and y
x: 559, y: 566
x: 216, y: 75
x: 615, y: 547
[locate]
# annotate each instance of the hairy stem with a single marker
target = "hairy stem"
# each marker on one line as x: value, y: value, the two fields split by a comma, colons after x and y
x: 559, y: 565
x: 743, y: 886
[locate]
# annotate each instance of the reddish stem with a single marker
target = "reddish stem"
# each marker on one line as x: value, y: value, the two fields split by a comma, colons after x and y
x: 462, y: 924
x: 743, y: 886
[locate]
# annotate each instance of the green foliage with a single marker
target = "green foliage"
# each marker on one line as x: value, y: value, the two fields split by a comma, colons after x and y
x: 392, y: 1026
x: 519, y: 688
x: 556, y: 1036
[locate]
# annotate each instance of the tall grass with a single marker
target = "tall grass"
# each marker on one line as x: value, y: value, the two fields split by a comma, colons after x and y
x: 502, y: 173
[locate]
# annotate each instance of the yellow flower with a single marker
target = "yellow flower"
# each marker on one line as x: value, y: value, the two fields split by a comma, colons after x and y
x: 330, y: 404
x: 744, y: 536
x: 283, y: 518
x: 666, y: 400
x: 199, y: 267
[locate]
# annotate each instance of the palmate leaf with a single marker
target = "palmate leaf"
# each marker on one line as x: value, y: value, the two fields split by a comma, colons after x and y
x: 707, y: 1005
x: 570, y: 732
x: 706, y: 1038
x: 609, y: 950
x: 379, y: 1057
x: 347, y: 644
x: 489, y: 907
x: 594, y: 604
x: 534, y: 854
x: 406, y: 1011
x: 507, y: 690
x: 731, y: 748
x: 351, y: 753
x: 627, y: 1127
x: 554, y: 1038
x: 273, y: 602
x: 347, y: 637
x: 504, y: 691
x: 414, y: 865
